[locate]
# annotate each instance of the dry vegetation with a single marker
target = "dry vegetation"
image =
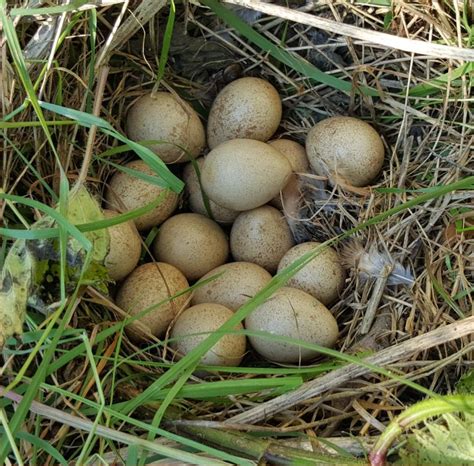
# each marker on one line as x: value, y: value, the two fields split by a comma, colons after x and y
x: 424, y: 112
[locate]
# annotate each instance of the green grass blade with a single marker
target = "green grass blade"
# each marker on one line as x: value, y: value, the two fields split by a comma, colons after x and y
x: 222, y: 389
x: 165, y: 48
x: 54, y: 214
x: 439, y: 83
x: 87, y: 120
x: 283, y: 56
x: 84, y: 227
x: 8, y: 435
x: 41, y: 444
x: 23, y: 408
x: 143, y: 425
x: 22, y: 71
x: 343, y: 357
x: 52, y: 10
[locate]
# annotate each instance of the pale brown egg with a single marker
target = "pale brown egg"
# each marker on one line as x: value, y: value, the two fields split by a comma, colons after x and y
x: 238, y: 282
x: 195, y: 324
x: 247, y: 108
x: 163, y: 117
x: 293, y: 314
x: 126, y: 192
x: 243, y: 174
x: 193, y: 243
x: 261, y: 236
x: 195, y: 197
x: 347, y: 149
x: 149, y: 287
x: 322, y: 278
x: 294, y: 152
x: 124, y: 248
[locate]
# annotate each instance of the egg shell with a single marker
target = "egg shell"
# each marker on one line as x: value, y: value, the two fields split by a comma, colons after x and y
x: 149, y: 285
x: 126, y: 192
x: 347, y: 148
x: 193, y: 243
x: 163, y: 117
x: 248, y: 108
x: 196, y: 323
x: 294, y: 152
x: 196, y: 202
x: 243, y: 174
x: 124, y: 248
x: 238, y: 282
x: 294, y: 314
x: 323, y: 277
x: 261, y: 236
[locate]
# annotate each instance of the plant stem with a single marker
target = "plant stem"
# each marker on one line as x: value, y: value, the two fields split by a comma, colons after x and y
x: 415, y: 414
x: 260, y: 449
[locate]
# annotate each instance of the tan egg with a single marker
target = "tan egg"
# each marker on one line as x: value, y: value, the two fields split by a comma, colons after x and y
x: 295, y: 154
x: 293, y: 314
x: 127, y: 192
x: 146, y: 287
x: 193, y: 243
x: 261, y: 236
x: 124, y: 248
x: 163, y: 117
x: 238, y: 282
x: 195, y: 324
x: 322, y: 278
x: 347, y: 148
x: 196, y: 203
x: 243, y: 174
x: 248, y: 108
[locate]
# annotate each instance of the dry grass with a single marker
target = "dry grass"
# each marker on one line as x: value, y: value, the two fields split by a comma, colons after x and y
x: 428, y: 138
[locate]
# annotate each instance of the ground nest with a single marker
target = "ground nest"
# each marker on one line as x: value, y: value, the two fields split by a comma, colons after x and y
x: 419, y: 102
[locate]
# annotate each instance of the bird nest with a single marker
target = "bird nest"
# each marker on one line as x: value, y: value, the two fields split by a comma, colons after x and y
x: 407, y: 240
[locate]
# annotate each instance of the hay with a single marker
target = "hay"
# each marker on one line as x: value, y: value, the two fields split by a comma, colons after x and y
x: 424, y: 113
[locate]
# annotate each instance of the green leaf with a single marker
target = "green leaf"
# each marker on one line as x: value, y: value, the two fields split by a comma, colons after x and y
x: 83, y: 208
x: 465, y: 384
x: 448, y: 440
x: 29, y: 263
x: 15, y: 284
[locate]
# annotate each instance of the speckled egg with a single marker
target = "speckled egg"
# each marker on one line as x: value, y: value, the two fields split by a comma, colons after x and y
x: 164, y: 117
x: 293, y: 314
x: 248, y: 108
x: 126, y: 192
x: 345, y: 148
x: 196, y: 323
x: 147, y: 286
x: 193, y: 243
x: 322, y: 278
x: 195, y: 198
x: 124, y: 248
x: 261, y: 236
x: 236, y: 284
x: 295, y: 154
x: 243, y: 174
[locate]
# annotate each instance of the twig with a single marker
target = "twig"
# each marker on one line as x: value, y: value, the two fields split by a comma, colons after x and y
x: 99, y: 94
x: 84, y: 424
x: 380, y: 38
x: 374, y: 300
x: 337, y: 377
x: 145, y: 11
x: 261, y: 450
